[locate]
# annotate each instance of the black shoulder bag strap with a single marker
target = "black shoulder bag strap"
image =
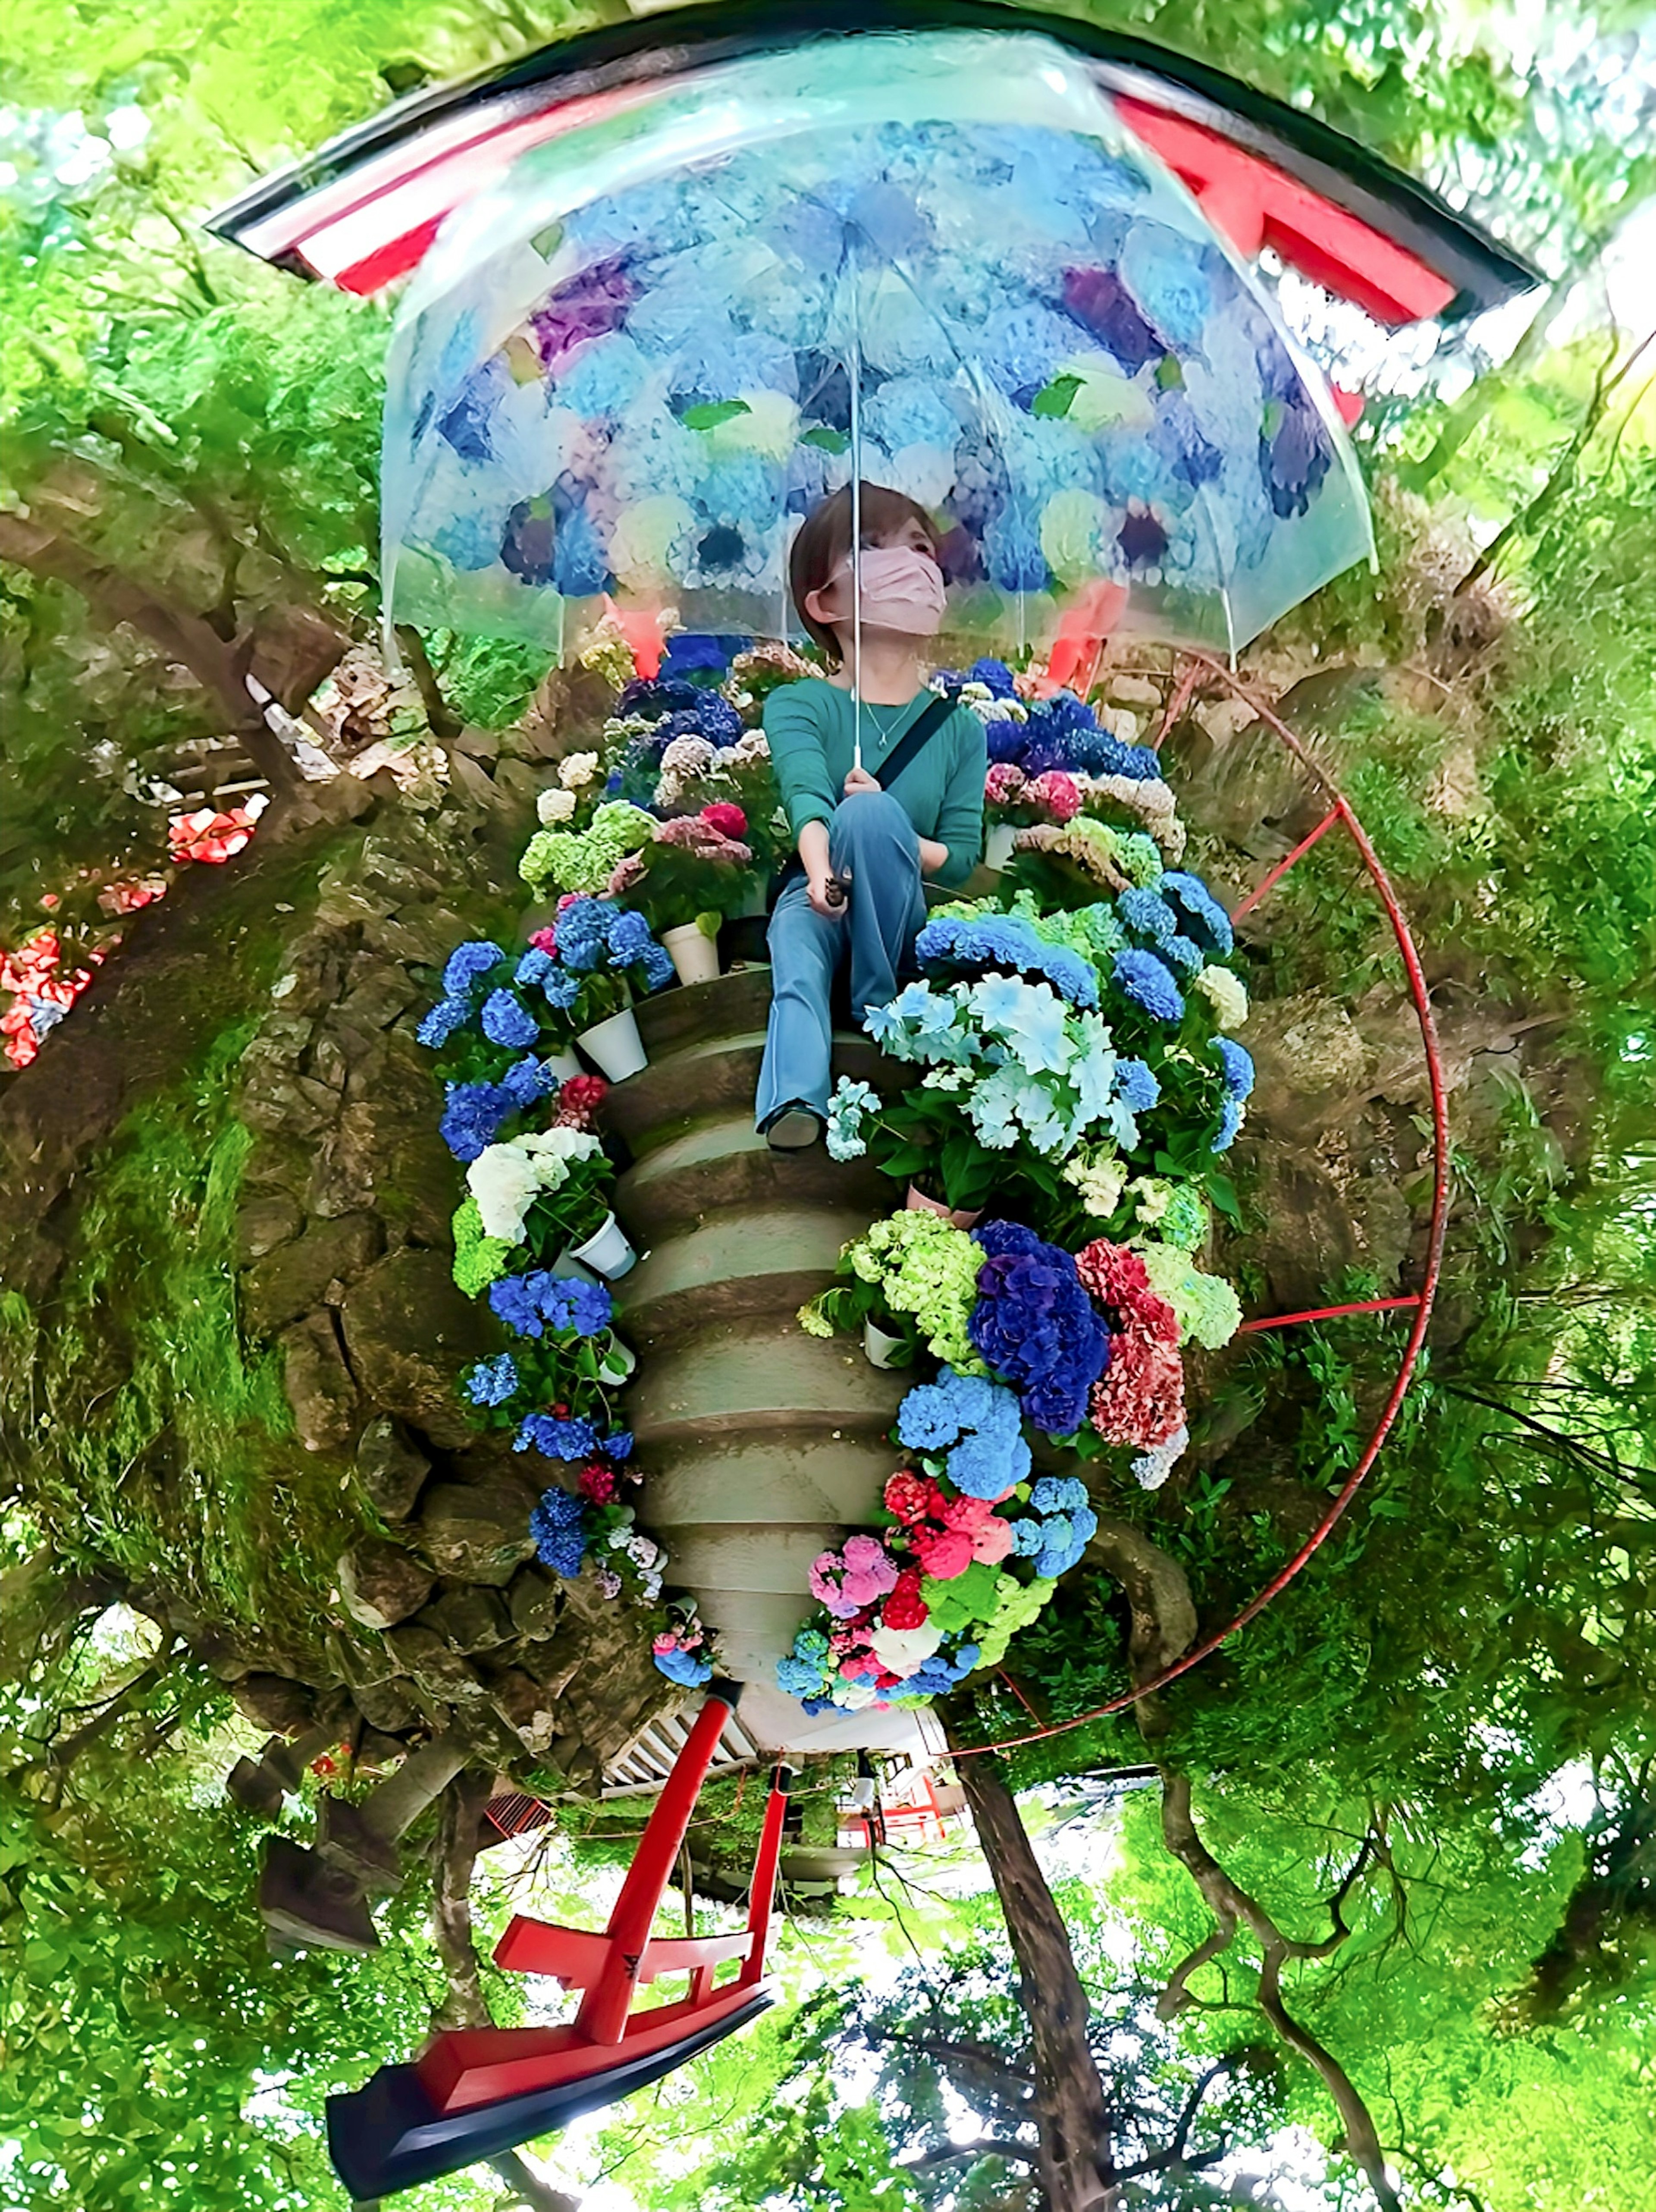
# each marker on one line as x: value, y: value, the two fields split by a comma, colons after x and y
x: 907, y: 746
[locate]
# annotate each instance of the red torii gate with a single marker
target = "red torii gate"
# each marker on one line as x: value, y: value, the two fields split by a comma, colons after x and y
x: 476, y: 2092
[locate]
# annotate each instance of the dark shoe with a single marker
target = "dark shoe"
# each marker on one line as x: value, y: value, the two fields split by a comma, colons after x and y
x: 793, y: 1126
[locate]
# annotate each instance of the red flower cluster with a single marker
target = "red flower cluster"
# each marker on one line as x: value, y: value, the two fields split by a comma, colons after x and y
x: 914, y: 1498
x: 1140, y: 1400
x: 904, y: 1606
x: 579, y: 1099
x: 545, y: 940
x: 597, y: 1482
x: 730, y: 821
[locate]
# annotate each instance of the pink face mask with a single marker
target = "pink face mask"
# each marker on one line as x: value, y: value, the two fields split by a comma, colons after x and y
x: 902, y: 590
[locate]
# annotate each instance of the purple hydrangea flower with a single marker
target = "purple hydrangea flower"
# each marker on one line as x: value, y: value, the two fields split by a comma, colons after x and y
x: 1035, y: 1326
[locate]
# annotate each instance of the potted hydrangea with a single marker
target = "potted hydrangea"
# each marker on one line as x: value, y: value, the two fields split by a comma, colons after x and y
x: 582, y: 964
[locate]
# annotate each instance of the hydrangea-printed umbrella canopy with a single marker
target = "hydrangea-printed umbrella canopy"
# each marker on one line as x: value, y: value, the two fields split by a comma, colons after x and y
x: 631, y: 366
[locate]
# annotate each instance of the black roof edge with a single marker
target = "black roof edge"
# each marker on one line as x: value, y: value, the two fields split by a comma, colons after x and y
x: 1337, y: 167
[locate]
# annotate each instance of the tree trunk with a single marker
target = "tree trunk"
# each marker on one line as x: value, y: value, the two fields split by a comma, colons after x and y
x: 1074, y: 2160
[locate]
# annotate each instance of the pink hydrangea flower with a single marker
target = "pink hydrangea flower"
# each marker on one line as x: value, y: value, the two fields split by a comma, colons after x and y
x: 1058, y: 793
x: 1004, y: 783
x: 846, y: 1581
x: 942, y: 1556
x: 992, y: 1542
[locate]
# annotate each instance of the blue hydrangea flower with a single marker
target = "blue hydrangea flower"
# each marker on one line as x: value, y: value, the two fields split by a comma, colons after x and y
x: 629, y: 939
x: 1058, y: 1493
x: 1187, y: 959
x: 583, y: 935
x: 1148, y: 914
x: 526, y: 1080
x: 473, y: 1116
x: 441, y: 1023
x: 988, y: 1466
x: 618, y: 1444
x: 558, y: 1526
x: 1230, y: 1120
x: 1208, y: 922
x: 995, y: 676
x: 1027, y: 1537
x: 562, y: 989
x: 1136, y: 1086
x: 1148, y: 983
x: 516, y: 1299
x: 507, y: 1022
x: 533, y: 965
x: 687, y: 1666
x: 557, y: 1439
x: 491, y: 1381
x: 468, y: 964
x: 1238, y: 1064
x: 1008, y: 944
x: 1007, y: 741
x: 569, y: 1303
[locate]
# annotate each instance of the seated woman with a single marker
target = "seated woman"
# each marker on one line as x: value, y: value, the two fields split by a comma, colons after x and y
x: 865, y: 841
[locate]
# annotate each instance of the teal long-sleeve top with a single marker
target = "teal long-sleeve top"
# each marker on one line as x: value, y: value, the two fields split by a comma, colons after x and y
x: 810, y: 726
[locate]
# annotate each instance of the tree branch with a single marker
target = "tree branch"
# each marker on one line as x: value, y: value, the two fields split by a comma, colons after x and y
x: 466, y: 2004
x: 1229, y: 1905
x: 988, y: 2147
x: 1157, y: 1591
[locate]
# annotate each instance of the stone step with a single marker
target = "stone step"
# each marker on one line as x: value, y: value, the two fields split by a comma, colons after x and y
x: 747, y: 1267
x: 713, y: 1081
x: 725, y: 1167
x: 694, y: 1014
x: 739, y: 1379
x: 799, y: 1479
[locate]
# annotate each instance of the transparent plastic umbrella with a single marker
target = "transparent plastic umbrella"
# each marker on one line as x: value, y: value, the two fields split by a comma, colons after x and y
x: 623, y: 375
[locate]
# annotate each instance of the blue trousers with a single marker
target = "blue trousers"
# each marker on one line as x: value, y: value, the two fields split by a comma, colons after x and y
x: 873, y: 843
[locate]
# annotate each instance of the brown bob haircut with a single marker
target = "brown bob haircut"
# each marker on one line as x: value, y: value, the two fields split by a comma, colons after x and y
x: 823, y: 540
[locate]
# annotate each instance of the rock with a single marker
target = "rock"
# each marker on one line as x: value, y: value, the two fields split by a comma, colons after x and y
x: 478, y: 1532
x: 410, y: 1331
x: 292, y: 1280
x: 264, y: 1222
x: 378, y: 1752
x: 356, y: 1660
x: 271, y: 1701
x: 388, y: 1705
x: 470, y: 1618
x: 380, y: 1585
x: 390, y: 1470
x: 527, y: 1709
x: 376, y: 1001
x: 533, y: 1600
x: 1309, y: 1241
x: 317, y: 1383
x: 383, y: 1154
x: 421, y: 1654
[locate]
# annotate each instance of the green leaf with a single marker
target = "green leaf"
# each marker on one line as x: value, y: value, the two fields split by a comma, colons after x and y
x: 1054, y: 399
x: 828, y: 439
x: 712, y: 412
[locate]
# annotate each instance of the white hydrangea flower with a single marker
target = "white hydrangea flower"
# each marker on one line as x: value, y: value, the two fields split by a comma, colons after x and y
x: 1226, y: 994
x: 506, y: 1179
x: 577, y: 770
x: 555, y: 805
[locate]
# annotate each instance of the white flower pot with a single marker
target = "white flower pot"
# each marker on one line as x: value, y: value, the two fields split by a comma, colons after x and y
x: 607, y: 1249
x: 564, y: 1065
x: 567, y: 1264
x: 694, y: 954
x: 879, y: 1349
x: 616, y: 1045
x: 998, y: 846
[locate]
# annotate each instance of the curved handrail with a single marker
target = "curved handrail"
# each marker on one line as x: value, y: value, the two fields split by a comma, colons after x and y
x: 1342, y: 811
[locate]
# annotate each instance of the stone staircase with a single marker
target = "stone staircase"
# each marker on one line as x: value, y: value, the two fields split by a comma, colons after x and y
x: 761, y: 1445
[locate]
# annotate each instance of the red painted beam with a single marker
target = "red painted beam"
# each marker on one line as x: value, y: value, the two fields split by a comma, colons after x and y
x: 1256, y: 204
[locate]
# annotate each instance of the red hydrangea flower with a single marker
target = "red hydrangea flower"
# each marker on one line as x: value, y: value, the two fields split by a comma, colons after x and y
x: 579, y: 1099
x: 906, y: 1608
x: 1140, y: 1399
x: 545, y: 940
x: 597, y: 1482
x: 1060, y: 794
x: 730, y: 821
x: 907, y: 1497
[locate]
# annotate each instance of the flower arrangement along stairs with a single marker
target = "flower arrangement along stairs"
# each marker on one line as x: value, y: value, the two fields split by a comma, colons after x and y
x: 764, y: 1445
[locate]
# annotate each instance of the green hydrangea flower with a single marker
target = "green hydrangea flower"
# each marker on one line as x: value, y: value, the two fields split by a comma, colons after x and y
x: 1019, y: 1603
x: 479, y: 1260
x: 929, y: 1268
x: 1206, y: 1305
x: 584, y: 860
x: 971, y: 1596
